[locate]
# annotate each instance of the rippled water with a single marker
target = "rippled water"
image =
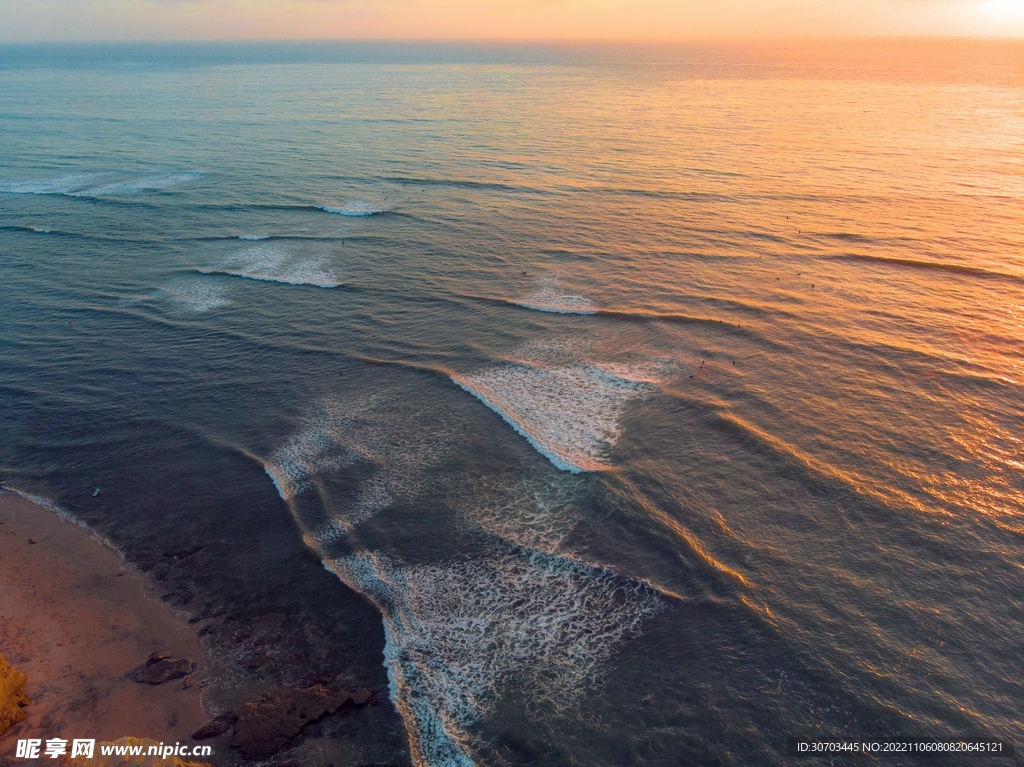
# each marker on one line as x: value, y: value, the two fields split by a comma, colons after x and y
x: 662, y: 403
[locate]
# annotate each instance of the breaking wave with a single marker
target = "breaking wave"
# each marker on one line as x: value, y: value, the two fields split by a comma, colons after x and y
x: 338, y: 434
x: 312, y: 451
x: 276, y: 264
x: 356, y: 208
x: 195, y: 296
x: 192, y: 296
x: 62, y: 185
x: 533, y: 512
x: 459, y: 632
x: 84, y: 184
x: 551, y: 297
x: 136, y: 185
x: 568, y: 409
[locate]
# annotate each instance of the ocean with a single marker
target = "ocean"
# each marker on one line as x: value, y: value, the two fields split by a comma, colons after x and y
x: 599, y: 405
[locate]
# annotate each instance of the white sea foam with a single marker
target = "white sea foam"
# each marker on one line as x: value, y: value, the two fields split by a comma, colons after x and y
x: 459, y: 632
x: 552, y: 297
x: 62, y: 185
x: 39, y: 230
x: 356, y: 208
x: 338, y: 434
x: 84, y: 184
x: 534, y: 512
x: 140, y: 184
x: 310, y: 452
x: 372, y: 495
x: 271, y: 263
x: 254, y: 236
x: 195, y: 296
x: 569, y: 413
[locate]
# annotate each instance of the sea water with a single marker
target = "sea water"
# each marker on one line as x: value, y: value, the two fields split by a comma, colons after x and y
x: 597, y: 406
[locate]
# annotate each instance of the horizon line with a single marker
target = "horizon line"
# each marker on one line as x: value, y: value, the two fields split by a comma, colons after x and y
x: 547, y: 41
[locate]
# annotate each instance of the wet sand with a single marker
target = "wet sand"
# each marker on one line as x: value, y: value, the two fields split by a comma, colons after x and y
x: 77, y: 620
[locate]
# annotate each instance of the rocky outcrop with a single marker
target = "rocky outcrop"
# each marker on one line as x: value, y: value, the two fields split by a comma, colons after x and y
x: 162, y: 668
x: 216, y: 726
x: 262, y: 728
x: 13, y: 697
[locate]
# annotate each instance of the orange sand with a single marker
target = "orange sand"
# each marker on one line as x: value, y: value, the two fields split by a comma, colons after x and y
x: 77, y: 627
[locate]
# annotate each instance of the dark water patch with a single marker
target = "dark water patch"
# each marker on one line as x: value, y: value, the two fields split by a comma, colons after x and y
x: 826, y: 478
x: 731, y: 329
x: 847, y: 237
x: 928, y: 367
x: 463, y: 184
x: 959, y: 269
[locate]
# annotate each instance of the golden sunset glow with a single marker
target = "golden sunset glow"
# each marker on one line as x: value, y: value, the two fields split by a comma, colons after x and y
x: 503, y: 19
x: 1004, y: 9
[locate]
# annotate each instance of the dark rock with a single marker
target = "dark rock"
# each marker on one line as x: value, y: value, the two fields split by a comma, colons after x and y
x: 264, y: 727
x: 361, y: 696
x: 182, y: 554
x: 163, y: 670
x: 216, y: 726
x: 156, y: 658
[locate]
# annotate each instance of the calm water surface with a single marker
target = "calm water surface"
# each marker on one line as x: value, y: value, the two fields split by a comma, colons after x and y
x: 606, y: 406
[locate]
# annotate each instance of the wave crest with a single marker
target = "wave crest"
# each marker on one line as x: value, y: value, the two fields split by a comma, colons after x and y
x: 568, y: 409
x: 276, y: 264
x: 552, y: 297
x: 356, y: 208
x: 458, y: 632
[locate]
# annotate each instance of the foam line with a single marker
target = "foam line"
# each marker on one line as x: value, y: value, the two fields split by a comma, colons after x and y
x: 61, y: 185
x: 568, y: 413
x: 356, y: 208
x: 135, y: 185
x: 195, y: 296
x: 310, y: 452
x: 458, y: 633
x: 551, y: 297
x: 275, y: 263
x: 64, y: 514
x: 298, y: 277
x: 336, y: 435
x: 83, y: 184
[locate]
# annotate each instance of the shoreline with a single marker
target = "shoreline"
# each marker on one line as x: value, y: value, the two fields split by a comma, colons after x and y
x: 77, y: 619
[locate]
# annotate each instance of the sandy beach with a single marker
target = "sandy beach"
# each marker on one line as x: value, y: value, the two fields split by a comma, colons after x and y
x: 77, y: 620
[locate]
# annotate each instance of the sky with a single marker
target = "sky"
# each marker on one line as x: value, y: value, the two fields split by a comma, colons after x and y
x: 37, y: 20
